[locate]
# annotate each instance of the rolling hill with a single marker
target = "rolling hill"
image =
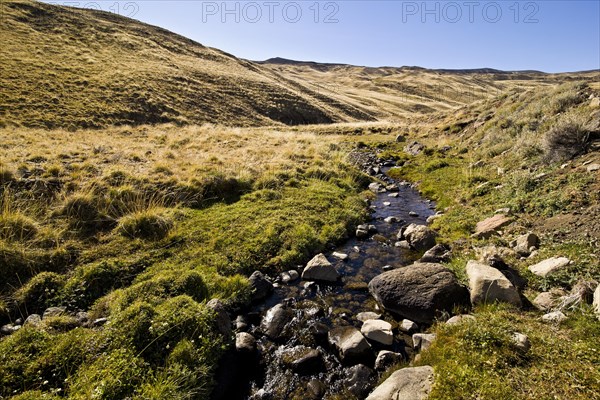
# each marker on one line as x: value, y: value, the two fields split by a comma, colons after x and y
x: 78, y: 68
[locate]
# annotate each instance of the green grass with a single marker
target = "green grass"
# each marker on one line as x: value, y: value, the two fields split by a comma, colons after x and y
x: 479, y: 361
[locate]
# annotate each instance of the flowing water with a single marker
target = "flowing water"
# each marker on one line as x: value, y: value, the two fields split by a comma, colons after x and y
x: 316, y: 308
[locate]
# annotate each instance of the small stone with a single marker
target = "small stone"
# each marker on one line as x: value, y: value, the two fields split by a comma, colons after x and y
x: 9, y: 329
x: 545, y: 301
x: 33, y: 319
x: 320, y: 269
x: 245, y: 342
x: 378, y: 330
x: 340, y: 256
x: 490, y: 226
x: 367, y: 315
x: 221, y: 321
x: 387, y: 268
x: 413, y: 214
x: 461, y: 319
x: 525, y: 243
x: 260, y: 286
x: 521, y: 342
x: 351, y: 345
x: 275, y: 320
x: 394, y: 195
x: 422, y: 341
x: 387, y: 203
x: 54, y: 312
x: 386, y: 359
x: 438, y: 253
x: 408, y: 326
x: 403, y: 244
x: 549, y: 266
x: 593, y: 167
x: 390, y: 220
x: 100, y: 321
x: 317, y: 388
x: 375, y: 187
x: 555, y: 316
x: 362, y: 234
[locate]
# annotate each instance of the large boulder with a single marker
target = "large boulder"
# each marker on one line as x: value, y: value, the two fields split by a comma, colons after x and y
x: 320, y: 269
x: 406, y: 384
x: 549, y: 266
x: 419, y: 292
x: 351, y: 345
x: 487, y: 285
x: 420, y: 237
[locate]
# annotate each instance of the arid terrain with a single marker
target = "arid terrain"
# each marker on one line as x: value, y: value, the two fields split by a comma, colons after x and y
x: 145, y: 177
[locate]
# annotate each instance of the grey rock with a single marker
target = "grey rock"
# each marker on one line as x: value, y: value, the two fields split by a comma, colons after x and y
x: 362, y: 233
x: 54, y: 312
x: 546, y: 301
x: 222, y: 321
x: 303, y: 360
x: 555, y: 316
x: 340, y: 256
x: 9, y: 329
x: 412, y: 214
x: 378, y: 330
x: 420, y: 237
x: 320, y: 269
x: 461, y: 319
x: 367, y: 315
x: 245, y: 342
x: 400, y: 138
x: 33, y: 319
x: 351, y: 345
x: 359, y: 380
x: 414, y: 148
x: 289, y: 276
x: 390, y: 220
x: 550, y: 266
x: 386, y: 359
x: 419, y: 292
x: 422, y: 341
x: 438, y: 253
x: 525, y: 243
x: 593, y: 167
x: 375, y: 187
x: 275, y: 320
x: 403, y: 244
x: 316, y: 388
x: 408, y: 326
x: 487, y: 285
x: 261, y: 287
x: 99, y: 322
x: 521, y: 342
x: 405, y: 384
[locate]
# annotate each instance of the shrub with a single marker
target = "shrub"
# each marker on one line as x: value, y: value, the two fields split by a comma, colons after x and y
x: 565, y: 140
x: 40, y: 292
x: 147, y: 224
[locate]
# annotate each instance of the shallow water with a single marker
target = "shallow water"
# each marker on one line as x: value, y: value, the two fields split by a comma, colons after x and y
x: 331, y: 306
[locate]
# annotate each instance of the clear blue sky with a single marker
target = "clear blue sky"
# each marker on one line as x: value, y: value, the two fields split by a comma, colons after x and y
x: 552, y: 36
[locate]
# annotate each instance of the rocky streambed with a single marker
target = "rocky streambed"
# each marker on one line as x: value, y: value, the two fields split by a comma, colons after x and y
x: 317, y: 331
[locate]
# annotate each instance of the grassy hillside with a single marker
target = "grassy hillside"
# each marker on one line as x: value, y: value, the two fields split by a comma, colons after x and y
x: 401, y: 93
x: 69, y: 68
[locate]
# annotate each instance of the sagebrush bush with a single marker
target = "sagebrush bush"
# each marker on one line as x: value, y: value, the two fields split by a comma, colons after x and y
x: 566, y: 139
x: 149, y: 224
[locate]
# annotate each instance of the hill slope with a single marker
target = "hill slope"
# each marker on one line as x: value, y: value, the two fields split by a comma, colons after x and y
x: 67, y: 67
x: 72, y: 68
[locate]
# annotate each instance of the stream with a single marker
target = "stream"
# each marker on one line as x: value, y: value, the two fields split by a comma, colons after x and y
x: 298, y: 362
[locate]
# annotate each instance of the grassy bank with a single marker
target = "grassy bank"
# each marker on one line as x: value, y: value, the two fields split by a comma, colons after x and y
x: 525, y: 152
x: 142, y: 226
